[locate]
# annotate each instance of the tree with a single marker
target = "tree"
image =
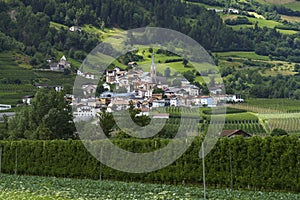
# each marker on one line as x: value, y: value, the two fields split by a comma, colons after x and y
x: 212, y: 82
x: 167, y: 72
x: 297, y: 68
x: 185, y: 62
x: 278, y: 132
x: 107, y: 123
x: 158, y: 91
x: 49, y: 117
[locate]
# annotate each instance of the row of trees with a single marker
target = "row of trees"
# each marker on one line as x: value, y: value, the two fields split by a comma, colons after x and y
x: 270, y: 163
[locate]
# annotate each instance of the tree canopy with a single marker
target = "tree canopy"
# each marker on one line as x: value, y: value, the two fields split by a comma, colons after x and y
x: 48, y: 117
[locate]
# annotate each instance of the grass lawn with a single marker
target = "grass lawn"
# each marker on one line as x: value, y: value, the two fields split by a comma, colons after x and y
x: 256, y: 15
x: 264, y: 22
x: 58, y: 25
x: 287, y: 32
x: 103, y: 34
x: 271, y: 72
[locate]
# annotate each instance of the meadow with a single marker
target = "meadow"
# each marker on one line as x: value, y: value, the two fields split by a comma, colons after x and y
x: 33, y: 188
x: 242, y: 54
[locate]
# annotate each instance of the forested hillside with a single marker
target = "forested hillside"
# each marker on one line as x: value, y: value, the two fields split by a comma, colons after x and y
x: 29, y: 23
x: 39, y: 30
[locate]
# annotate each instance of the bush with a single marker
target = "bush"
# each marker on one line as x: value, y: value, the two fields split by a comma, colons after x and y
x: 278, y: 132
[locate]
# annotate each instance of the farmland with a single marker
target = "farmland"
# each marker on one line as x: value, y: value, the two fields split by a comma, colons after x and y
x: 32, y: 187
x: 286, y: 105
x: 17, y: 78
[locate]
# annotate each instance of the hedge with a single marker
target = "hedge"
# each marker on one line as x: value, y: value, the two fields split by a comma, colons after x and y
x: 271, y: 163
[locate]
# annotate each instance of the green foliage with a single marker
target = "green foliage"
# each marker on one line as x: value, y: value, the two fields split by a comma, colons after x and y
x: 107, y: 123
x: 8, y: 43
x: 238, y: 21
x: 278, y: 132
x: 49, y: 117
x: 269, y: 163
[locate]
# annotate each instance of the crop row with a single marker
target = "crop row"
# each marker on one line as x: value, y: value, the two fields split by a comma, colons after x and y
x: 33, y: 187
x: 287, y: 124
x: 16, y: 87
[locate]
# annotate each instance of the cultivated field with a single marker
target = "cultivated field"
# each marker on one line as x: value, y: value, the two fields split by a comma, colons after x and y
x: 33, y: 188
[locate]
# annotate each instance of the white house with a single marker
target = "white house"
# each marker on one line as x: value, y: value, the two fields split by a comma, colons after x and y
x: 75, y: 28
x: 193, y: 90
x: 27, y: 99
x: 85, y: 111
x: 174, y: 102
x: 237, y: 98
x: 89, y: 89
x: 233, y: 11
x: 158, y: 103
x: 89, y: 76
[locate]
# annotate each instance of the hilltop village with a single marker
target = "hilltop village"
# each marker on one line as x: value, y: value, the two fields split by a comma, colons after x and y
x: 144, y: 91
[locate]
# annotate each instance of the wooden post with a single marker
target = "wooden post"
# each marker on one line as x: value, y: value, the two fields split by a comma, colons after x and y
x: 100, y: 176
x: 0, y: 158
x: 230, y: 160
x: 203, y: 167
x: 16, y: 161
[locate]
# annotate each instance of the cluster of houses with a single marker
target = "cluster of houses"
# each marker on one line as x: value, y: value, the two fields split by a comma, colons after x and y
x: 145, y: 91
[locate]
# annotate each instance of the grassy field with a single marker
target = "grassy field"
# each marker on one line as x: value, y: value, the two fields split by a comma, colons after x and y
x: 276, y: 1
x: 57, y: 25
x: 262, y: 22
x: 290, y: 18
x: 242, y: 54
x: 294, y: 5
x: 46, y: 188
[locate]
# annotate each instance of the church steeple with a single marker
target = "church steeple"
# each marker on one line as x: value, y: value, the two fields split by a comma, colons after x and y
x: 153, y: 70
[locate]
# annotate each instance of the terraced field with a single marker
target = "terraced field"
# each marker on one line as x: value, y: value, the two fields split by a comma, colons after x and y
x: 16, y: 79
